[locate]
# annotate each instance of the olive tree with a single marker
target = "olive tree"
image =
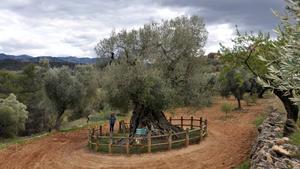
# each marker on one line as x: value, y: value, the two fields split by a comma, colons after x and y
x: 87, y: 75
x: 152, y: 66
x: 13, y: 116
x: 273, y: 62
x: 283, y: 75
x: 236, y: 82
x: 63, y: 90
x: 32, y: 95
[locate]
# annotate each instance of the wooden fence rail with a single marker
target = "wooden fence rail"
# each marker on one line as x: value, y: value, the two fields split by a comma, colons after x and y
x: 193, y: 134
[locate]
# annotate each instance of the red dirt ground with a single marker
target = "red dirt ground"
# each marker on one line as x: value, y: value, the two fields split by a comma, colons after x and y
x: 227, y: 145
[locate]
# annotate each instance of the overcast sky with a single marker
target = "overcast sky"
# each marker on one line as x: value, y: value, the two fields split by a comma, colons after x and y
x: 73, y: 27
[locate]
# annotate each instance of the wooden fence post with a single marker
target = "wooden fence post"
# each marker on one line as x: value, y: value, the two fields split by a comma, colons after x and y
x: 187, y: 139
x: 100, y: 130
x: 110, y: 143
x: 120, y: 127
x: 149, y: 141
x: 127, y: 144
x: 181, y: 122
x: 93, y: 131
x: 170, y: 140
x: 192, y: 121
x: 89, y: 139
x: 201, y: 131
x: 97, y: 141
x: 205, y: 122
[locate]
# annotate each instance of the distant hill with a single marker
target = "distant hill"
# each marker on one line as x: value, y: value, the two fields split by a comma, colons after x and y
x: 69, y: 59
x: 13, y: 62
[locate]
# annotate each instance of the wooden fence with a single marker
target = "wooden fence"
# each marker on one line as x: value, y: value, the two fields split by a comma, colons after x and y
x: 194, y: 130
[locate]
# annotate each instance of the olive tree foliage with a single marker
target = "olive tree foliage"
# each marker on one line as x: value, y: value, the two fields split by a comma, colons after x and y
x: 13, y: 116
x: 169, y: 40
x: 129, y: 86
x: 33, y: 96
x: 75, y: 90
x: 235, y: 82
x: 284, y: 70
x: 90, y: 101
x: 241, y: 64
x: 63, y: 90
x: 170, y: 47
x: 273, y: 62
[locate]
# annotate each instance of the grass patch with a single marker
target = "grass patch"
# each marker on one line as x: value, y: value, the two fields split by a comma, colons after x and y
x: 244, y: 165
x: 226, y: 108
x: 259, y: 120
x: 5, y: 142
x: 295, y: 137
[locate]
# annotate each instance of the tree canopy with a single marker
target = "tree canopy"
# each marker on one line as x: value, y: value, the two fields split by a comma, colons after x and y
x: 13, y: 115
x: 284, y: 70
x: 156, y: 67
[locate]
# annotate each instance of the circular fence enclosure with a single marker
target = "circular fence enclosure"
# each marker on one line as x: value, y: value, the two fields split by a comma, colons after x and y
x: 194, y: 131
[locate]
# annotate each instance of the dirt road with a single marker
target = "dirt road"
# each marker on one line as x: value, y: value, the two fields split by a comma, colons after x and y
x: 228, y: 144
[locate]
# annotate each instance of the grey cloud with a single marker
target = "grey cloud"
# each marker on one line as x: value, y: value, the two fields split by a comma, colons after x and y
x: 248, y: 14
x: 75, y: 25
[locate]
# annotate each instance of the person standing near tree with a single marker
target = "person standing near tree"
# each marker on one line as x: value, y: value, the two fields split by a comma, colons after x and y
x: 112, y: 120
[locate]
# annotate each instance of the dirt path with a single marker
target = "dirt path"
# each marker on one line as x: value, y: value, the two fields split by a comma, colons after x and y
x: 228, y: 144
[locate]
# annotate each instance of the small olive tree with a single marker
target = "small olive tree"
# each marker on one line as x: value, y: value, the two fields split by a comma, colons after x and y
x: 63, y: 90
x: 236, y: 82
x: 13, y: 116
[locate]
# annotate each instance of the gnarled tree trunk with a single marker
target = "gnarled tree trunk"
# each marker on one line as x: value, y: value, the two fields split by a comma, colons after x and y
x: 291, y: 109
x: 58, y: 120
x: 155, y: 121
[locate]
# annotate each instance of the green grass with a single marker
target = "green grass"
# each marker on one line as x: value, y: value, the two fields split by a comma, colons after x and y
x: 259, y: 120
x: 244, y: 165
x: 226, y: 108
x: 295, y: 137
x: 5, y: 142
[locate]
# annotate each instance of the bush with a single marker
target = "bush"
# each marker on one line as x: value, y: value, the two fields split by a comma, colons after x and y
x: 226, y: 108
x: 13, y: 115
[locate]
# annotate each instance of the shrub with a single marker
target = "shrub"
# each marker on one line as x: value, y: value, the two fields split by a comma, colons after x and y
x: 13, y: 115
x: 226, y: 108
x: 259, y: 119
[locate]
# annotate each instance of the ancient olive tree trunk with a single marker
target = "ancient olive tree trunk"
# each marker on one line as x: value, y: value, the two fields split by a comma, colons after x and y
x: 155, y: 121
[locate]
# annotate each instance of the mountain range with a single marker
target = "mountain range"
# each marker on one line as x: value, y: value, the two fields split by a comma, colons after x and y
x: 68, y: 59
x: 17, y: 62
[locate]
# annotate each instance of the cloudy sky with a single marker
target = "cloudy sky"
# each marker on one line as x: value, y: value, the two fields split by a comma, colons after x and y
x: 73, y: 27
